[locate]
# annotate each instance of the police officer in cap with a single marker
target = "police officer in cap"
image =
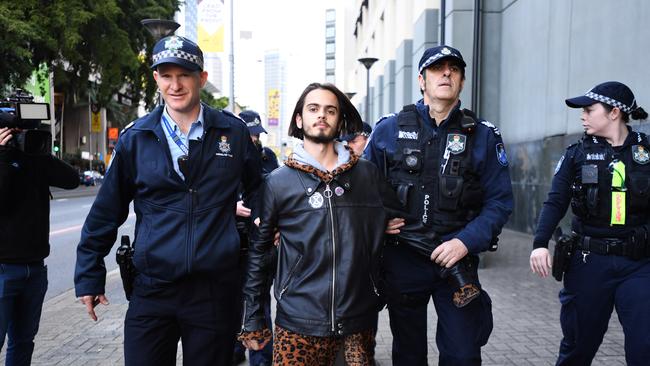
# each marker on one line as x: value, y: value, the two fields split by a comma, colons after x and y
x: 181, y: 165
x: 357, y: 141
x: 254, y: 123
x: 269, y: 163
x: 450, y: 170
x: 605, y: 177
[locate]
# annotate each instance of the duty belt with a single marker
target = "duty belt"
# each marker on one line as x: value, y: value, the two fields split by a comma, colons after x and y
x: 613, y: 246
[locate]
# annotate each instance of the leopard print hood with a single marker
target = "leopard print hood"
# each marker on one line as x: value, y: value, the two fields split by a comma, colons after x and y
x: 302, y: 160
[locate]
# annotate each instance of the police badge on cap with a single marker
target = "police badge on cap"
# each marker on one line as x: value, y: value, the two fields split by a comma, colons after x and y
x: 178, y: 50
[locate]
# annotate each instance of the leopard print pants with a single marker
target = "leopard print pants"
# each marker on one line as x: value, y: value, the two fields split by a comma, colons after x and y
x: 290, y: 348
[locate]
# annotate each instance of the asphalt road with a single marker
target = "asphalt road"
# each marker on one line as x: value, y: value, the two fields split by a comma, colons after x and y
x: 67, y: 216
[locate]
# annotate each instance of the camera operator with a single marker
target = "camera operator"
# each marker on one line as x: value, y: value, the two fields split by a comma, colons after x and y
x: 24, y: 240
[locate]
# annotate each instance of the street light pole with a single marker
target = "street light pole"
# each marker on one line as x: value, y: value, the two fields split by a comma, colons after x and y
x: 368, y: 62
x: 160, y: 28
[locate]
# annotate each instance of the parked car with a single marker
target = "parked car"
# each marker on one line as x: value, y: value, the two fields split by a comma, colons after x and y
x: 91, y: 178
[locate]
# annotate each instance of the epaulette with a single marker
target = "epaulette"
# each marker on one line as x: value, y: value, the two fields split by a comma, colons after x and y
x: 490, y: 125
x: 127, y: 127
x: 641, y: 137
x: 229, y: 113
x: 386, y: 116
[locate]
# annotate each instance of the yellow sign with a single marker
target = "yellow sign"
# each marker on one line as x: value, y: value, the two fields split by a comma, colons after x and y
x: 211, y: 25
x: 95, y: 122
x: 273, y: 112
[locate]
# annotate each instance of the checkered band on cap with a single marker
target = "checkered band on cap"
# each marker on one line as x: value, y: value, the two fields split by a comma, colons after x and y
x: 431, y: 60
x: 179, y: 54
x: 609, y: 101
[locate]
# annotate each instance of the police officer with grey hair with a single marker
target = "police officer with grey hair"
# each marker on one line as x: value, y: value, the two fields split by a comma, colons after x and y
x: 605, y: 263
x: 450, y: 170
x: 181, y: 165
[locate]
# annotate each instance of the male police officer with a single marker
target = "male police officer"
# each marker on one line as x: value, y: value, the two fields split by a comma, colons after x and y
x: 450, y: 171
x: 269, y: 163
x: 357, y: 141
x: 181, y: 165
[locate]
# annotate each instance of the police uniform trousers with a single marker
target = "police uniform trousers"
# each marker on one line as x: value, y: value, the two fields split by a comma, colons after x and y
x: 593, y: 286
x: 199, y: 310
x: 460, y: 333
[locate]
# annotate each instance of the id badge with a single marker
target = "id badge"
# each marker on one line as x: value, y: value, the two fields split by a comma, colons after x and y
x: 618, y: 208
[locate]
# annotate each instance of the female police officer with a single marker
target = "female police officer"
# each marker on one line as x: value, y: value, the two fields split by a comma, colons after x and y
x: 606, y: 178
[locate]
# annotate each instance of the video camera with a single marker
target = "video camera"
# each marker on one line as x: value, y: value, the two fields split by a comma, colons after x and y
x: 20, y: 112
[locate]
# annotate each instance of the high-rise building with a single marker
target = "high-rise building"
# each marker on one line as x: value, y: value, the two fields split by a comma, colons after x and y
x: 330, y: 46
x: 187, y: 17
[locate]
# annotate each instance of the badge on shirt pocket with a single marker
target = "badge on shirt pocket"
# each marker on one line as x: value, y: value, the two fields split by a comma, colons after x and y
x: 456, y: 143
x: 223, y: 147
x: 640, y: 154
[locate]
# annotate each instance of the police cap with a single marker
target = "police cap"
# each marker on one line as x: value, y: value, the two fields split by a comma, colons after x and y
x: 178, y: 50
x: 435, y: 54
x: 612, y: 93
x: 253, y: 122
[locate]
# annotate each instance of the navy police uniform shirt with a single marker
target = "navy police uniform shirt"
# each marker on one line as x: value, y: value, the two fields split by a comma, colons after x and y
x: 559, y: 197
x: 489, y: 161
x: 183, y: 227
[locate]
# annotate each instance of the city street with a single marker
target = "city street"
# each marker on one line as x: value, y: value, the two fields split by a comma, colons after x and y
x: 526, y: 319
x: 67, y: 216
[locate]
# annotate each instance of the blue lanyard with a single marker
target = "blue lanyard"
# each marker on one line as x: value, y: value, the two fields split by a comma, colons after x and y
x: 174, y: 136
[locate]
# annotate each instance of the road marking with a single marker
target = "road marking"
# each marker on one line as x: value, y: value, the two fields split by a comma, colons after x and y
x: 78, y: 227
x: 61, y: 199
x: 68, y: 229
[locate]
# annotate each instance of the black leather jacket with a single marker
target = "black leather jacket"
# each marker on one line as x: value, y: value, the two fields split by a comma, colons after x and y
x: 328, y: 258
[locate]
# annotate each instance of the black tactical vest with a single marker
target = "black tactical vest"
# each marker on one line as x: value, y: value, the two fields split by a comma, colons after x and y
x: 592, y: 187
x: 433, y: 175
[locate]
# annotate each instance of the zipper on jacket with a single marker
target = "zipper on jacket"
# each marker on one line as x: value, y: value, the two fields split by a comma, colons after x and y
x: 288, y: 280
x: 243, y: 319
x: 328, y: 195
x: 374, y: 287
x: 190, y: 236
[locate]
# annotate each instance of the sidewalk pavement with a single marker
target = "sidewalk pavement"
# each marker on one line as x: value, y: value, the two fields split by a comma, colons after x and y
x: 80, y: 191
x: 526, y: 320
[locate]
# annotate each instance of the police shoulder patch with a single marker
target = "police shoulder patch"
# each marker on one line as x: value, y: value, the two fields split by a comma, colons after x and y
x: 502, y: 158
x: 494, y: 128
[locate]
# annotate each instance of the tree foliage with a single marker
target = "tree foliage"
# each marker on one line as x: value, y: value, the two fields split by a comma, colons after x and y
x: 81, y: 40
x: 209, y: 99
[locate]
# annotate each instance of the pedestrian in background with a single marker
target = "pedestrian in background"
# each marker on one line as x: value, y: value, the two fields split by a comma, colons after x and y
x: 25, y: 181
x: 329, y: 208
x: 181, y: 165
x: 450, y: 171
x: 269, y: 163
x: 606, y: 179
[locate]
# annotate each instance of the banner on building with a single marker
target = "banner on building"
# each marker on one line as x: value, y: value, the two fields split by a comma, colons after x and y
x: 273, y: 112
x: 211, y: 25
x: 95, y: 118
